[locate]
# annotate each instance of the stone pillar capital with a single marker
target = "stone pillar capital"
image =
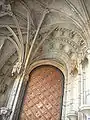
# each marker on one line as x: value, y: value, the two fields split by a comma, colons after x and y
x: 72, y: 115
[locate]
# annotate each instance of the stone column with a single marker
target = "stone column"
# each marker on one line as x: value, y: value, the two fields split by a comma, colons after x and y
x: 80, y: 86
x: 87, y: 87
x: 85, y: 108
x: 73, y: 86
x: 13, y: 92
x: 64, y: 101
x: 14, y: 95
x: 72, y: 113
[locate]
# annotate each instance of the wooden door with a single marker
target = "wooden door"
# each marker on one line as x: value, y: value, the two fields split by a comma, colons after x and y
x: 43, y: 98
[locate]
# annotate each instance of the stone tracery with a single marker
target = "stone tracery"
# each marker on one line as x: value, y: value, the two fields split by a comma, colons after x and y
x: 59, y: 35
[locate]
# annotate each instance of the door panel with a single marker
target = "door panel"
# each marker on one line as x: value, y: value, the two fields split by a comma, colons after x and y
x: 43, y: 98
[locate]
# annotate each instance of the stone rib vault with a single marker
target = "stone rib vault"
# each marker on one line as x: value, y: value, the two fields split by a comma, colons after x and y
x: 45, y: 32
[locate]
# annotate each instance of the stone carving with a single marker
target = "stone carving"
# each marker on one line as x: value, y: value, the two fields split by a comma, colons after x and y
x: 62, y: 31
x: 74, y: 68
x: 5, y: 7
x: 68, y: 36
x: 66, y: 32
x: 74, y: 71
x: 51, y: 45
x: 72, y: 34
x: 9, y: 62
x: 70, y: 53
x: 4, y: 113
x: 16, y: 68
x: 41, y: 49
x: 3, y: 88
x: 84, y: 62
x: 82, y: 43
x: 61, y: 46
x: 1, y: 73
x: 9, y: 1
x: 66, y: 48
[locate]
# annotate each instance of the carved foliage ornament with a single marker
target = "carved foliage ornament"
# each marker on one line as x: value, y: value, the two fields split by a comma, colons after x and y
x: 70, y: 37
x: 4, y: 113
x: 66, y: 32
x: 17, y: 68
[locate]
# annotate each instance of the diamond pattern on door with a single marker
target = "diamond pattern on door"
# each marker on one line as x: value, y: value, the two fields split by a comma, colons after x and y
x: 43, y: 97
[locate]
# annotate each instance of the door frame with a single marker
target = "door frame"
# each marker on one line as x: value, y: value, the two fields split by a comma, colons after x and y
x: 17, y: 105
x: 56, y: 64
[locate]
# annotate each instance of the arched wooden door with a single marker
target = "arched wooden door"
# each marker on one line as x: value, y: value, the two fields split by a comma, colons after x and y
x: 43, y: 98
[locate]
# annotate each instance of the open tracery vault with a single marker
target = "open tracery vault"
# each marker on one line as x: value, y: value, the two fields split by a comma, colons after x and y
x: 36, y: 30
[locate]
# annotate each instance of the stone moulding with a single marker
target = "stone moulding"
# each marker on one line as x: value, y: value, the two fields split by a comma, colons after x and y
x: 85, y: 109
x: 72, y: 115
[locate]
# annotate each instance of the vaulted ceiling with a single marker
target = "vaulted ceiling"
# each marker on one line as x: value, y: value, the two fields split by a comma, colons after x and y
x: 32, y: 30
